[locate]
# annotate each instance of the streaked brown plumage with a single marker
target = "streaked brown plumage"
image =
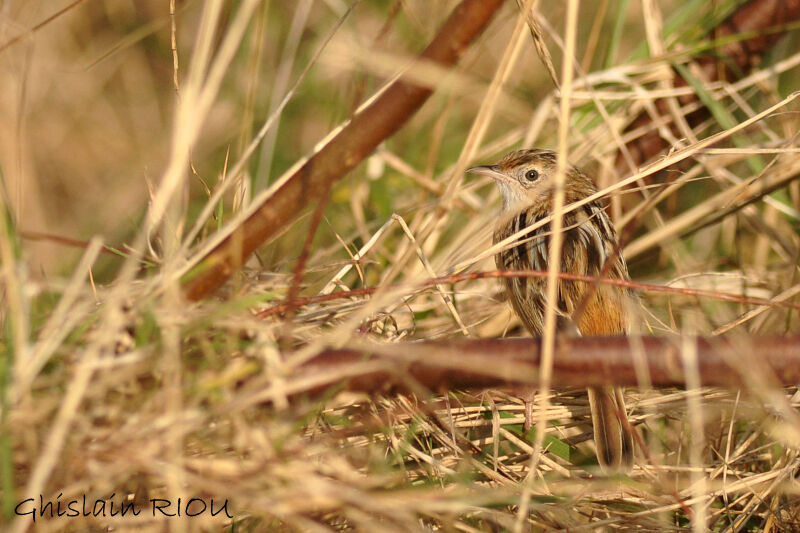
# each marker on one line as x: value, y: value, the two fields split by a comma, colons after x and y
x: 526, y: 179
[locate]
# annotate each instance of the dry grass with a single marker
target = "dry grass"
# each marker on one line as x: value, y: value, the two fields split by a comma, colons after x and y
x: 113, y: 388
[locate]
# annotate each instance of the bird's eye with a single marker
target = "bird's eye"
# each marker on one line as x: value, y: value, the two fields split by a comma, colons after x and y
x: 532, y: 175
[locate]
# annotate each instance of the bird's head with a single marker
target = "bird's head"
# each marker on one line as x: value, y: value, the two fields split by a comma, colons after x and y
x: 527, y: 177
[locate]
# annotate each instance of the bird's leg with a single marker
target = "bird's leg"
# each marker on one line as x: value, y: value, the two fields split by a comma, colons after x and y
x: 527, y: 399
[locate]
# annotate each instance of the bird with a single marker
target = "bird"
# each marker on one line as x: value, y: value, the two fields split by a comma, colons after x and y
x: 526, y: 179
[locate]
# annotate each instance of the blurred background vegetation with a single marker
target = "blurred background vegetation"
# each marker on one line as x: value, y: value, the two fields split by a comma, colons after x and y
x: 90, y: 101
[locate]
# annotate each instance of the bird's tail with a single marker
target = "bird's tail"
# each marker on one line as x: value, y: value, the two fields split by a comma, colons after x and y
x: 613, y: 436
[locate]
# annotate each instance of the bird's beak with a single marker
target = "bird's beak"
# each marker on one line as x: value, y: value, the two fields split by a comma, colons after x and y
x: 493, y: 171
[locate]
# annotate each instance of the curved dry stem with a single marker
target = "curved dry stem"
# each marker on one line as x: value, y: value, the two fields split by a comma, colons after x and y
x: 340, y: 155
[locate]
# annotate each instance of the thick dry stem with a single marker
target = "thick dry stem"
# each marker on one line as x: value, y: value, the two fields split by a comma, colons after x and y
x: 728, y: 61
x: 347, y: 149
x: 579, y: 362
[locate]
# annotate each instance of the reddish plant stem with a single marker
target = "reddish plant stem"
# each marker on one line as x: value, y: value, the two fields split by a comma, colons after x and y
x: 27, y: 33
x: 754, y: 362
x: 354, y: 293
x: 340, y: 155
x: 300, y: 266
x: 119, y: 251
x: 728, y: 61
